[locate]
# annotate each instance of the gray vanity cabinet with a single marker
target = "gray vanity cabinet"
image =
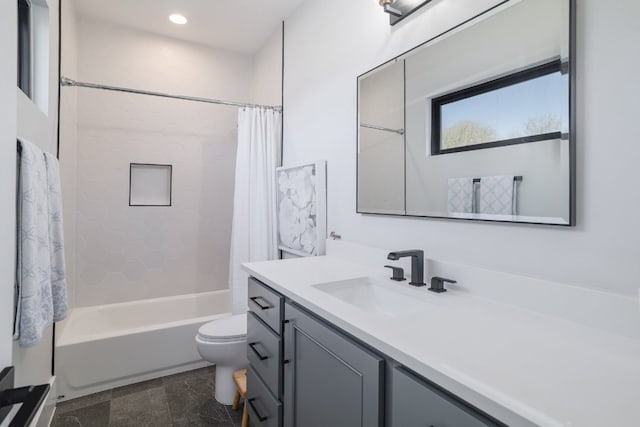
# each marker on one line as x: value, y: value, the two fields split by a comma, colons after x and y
x: 304, y: 372
x: 416, y: 402
x: 329, y: 379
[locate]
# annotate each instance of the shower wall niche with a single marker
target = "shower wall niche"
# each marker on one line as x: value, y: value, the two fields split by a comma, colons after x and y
x: 150, y: 185
x: 124, y: 252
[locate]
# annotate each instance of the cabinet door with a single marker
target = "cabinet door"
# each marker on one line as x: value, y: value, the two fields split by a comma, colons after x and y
x: 415, y: 402
x: 330, y: 380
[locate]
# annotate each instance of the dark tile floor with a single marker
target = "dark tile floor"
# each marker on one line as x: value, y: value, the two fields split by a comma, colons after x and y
x: 185, y: 399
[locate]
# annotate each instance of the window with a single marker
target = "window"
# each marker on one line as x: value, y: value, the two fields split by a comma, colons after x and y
x: 526, y: 106
x: 24, y: 46
x: 33, y: 51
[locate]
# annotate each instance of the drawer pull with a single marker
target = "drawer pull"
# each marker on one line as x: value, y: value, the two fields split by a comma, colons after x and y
x: 252, y: 346
x: 262, y: 307
x: 260, y: 417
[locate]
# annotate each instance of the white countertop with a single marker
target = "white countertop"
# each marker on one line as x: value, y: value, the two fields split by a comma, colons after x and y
x: 520, y: 366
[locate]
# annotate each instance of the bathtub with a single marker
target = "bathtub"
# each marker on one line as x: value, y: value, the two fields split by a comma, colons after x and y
x: 112, y: 345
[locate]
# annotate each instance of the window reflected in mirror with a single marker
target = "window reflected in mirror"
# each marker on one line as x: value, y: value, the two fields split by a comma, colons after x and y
x: 527, y: 106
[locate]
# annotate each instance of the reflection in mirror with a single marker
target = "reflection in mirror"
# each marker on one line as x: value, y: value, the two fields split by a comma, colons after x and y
x: 526, y: 106
x: 488, y: 132
x: 381, y: 146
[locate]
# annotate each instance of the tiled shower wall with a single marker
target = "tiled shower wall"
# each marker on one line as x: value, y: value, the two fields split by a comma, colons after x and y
x: 127, y: 253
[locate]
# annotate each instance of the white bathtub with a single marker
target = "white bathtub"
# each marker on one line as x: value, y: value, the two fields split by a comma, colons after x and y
x: 112, y: 345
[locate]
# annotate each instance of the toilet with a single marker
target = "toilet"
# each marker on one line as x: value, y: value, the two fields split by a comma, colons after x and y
x: 224, y: 343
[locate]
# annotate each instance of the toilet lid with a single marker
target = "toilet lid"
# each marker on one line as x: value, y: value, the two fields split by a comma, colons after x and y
x: 229, y: 327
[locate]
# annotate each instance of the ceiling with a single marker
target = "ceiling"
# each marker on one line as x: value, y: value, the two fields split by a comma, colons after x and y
x: 237, y: 25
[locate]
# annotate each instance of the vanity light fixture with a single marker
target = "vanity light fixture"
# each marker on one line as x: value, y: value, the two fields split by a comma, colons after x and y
x: 400, y: 9
x: 387, y: 5
x: 176, y: 18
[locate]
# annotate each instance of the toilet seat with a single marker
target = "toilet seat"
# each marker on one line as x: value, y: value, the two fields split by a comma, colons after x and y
x: 232, y: 328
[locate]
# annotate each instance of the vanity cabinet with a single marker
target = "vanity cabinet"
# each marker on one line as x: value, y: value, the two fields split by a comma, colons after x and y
x: 330, y: 380
x: 303, y: 371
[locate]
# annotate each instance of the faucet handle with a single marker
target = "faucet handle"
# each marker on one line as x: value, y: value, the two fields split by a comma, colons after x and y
x: 398, y: 273
x: 437, y: 284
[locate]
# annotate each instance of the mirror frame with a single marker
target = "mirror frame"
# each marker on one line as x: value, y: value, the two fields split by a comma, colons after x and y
x: 572, y: 123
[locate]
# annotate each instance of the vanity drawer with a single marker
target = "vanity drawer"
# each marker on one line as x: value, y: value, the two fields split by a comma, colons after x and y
x: 264, y: 351
x: 266, y: 304
x: 264, y: 409
x: 418, y: 402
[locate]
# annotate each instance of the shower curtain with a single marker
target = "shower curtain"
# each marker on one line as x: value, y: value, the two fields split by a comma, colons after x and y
x: 253, y: 233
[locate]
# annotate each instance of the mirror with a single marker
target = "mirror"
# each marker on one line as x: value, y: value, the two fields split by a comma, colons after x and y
x: 475, y: 124
x: 381, y: 145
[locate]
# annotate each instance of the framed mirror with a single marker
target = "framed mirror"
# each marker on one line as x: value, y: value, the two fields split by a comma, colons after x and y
x: 476, y: 124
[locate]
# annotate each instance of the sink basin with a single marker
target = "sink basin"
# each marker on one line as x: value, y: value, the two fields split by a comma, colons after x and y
x: 374, y: 295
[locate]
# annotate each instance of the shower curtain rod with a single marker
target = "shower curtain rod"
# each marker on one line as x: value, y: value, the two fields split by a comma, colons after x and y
x: 64, y: 81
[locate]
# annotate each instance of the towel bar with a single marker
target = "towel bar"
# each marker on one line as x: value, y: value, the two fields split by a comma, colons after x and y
x: 515, y: 178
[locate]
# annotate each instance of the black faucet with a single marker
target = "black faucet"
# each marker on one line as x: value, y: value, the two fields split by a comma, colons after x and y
x: 417, y: 264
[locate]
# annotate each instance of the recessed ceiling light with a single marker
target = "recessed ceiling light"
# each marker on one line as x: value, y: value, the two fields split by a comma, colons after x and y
x: 176, y: 18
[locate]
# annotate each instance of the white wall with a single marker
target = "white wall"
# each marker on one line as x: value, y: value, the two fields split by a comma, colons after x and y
x: 8, y: 66
x: 324, y: 53
x: 126, y: 253
x: 266, y: 80
x: 69, y: 141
